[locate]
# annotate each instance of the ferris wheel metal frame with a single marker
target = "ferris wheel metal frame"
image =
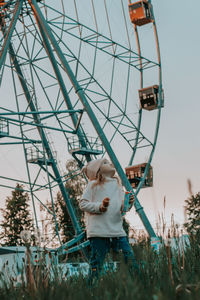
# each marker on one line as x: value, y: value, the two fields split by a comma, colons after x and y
x: 13, y: 12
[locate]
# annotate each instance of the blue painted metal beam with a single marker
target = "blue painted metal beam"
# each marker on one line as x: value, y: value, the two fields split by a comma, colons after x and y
x: 70, y: 243
x: 39, y: 125
x: 77, y: 248
x: 9, y: 32
x: 22, y: 113
x: 78, y: 130
x: 103, y: 43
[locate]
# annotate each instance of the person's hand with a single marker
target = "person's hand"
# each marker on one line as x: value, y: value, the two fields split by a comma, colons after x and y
x: 131, y: 199
x: 104, y: 206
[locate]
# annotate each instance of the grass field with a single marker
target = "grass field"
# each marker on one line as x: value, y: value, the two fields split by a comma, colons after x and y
x: 169, y: 274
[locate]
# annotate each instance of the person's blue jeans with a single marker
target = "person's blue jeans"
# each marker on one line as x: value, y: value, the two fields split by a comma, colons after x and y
x: 101, y: 246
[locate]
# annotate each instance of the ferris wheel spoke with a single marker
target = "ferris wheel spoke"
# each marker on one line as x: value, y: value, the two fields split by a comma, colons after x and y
x: 106, y: 97
x: 99, y: 41
x: 121, y: 53
x: 8, y: 33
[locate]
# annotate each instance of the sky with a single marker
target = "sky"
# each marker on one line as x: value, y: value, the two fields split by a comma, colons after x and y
x: 176, y: 157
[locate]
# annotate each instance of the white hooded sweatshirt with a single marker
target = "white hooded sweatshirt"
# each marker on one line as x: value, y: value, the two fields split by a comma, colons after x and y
x: 109, y: 223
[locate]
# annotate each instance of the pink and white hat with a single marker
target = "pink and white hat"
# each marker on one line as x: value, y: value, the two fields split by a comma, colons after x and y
x: 92, y: 168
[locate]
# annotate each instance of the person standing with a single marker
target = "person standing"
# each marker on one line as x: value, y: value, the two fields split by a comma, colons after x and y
x: 102, y: 202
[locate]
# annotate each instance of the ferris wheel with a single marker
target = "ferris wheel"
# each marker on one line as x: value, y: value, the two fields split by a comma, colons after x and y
x: 81, y: 79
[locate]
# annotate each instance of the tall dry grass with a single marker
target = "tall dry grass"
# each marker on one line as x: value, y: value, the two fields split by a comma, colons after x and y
x: 167, y: 274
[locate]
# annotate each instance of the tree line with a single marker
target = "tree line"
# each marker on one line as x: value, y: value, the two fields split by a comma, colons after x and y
x: 16, y: 216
